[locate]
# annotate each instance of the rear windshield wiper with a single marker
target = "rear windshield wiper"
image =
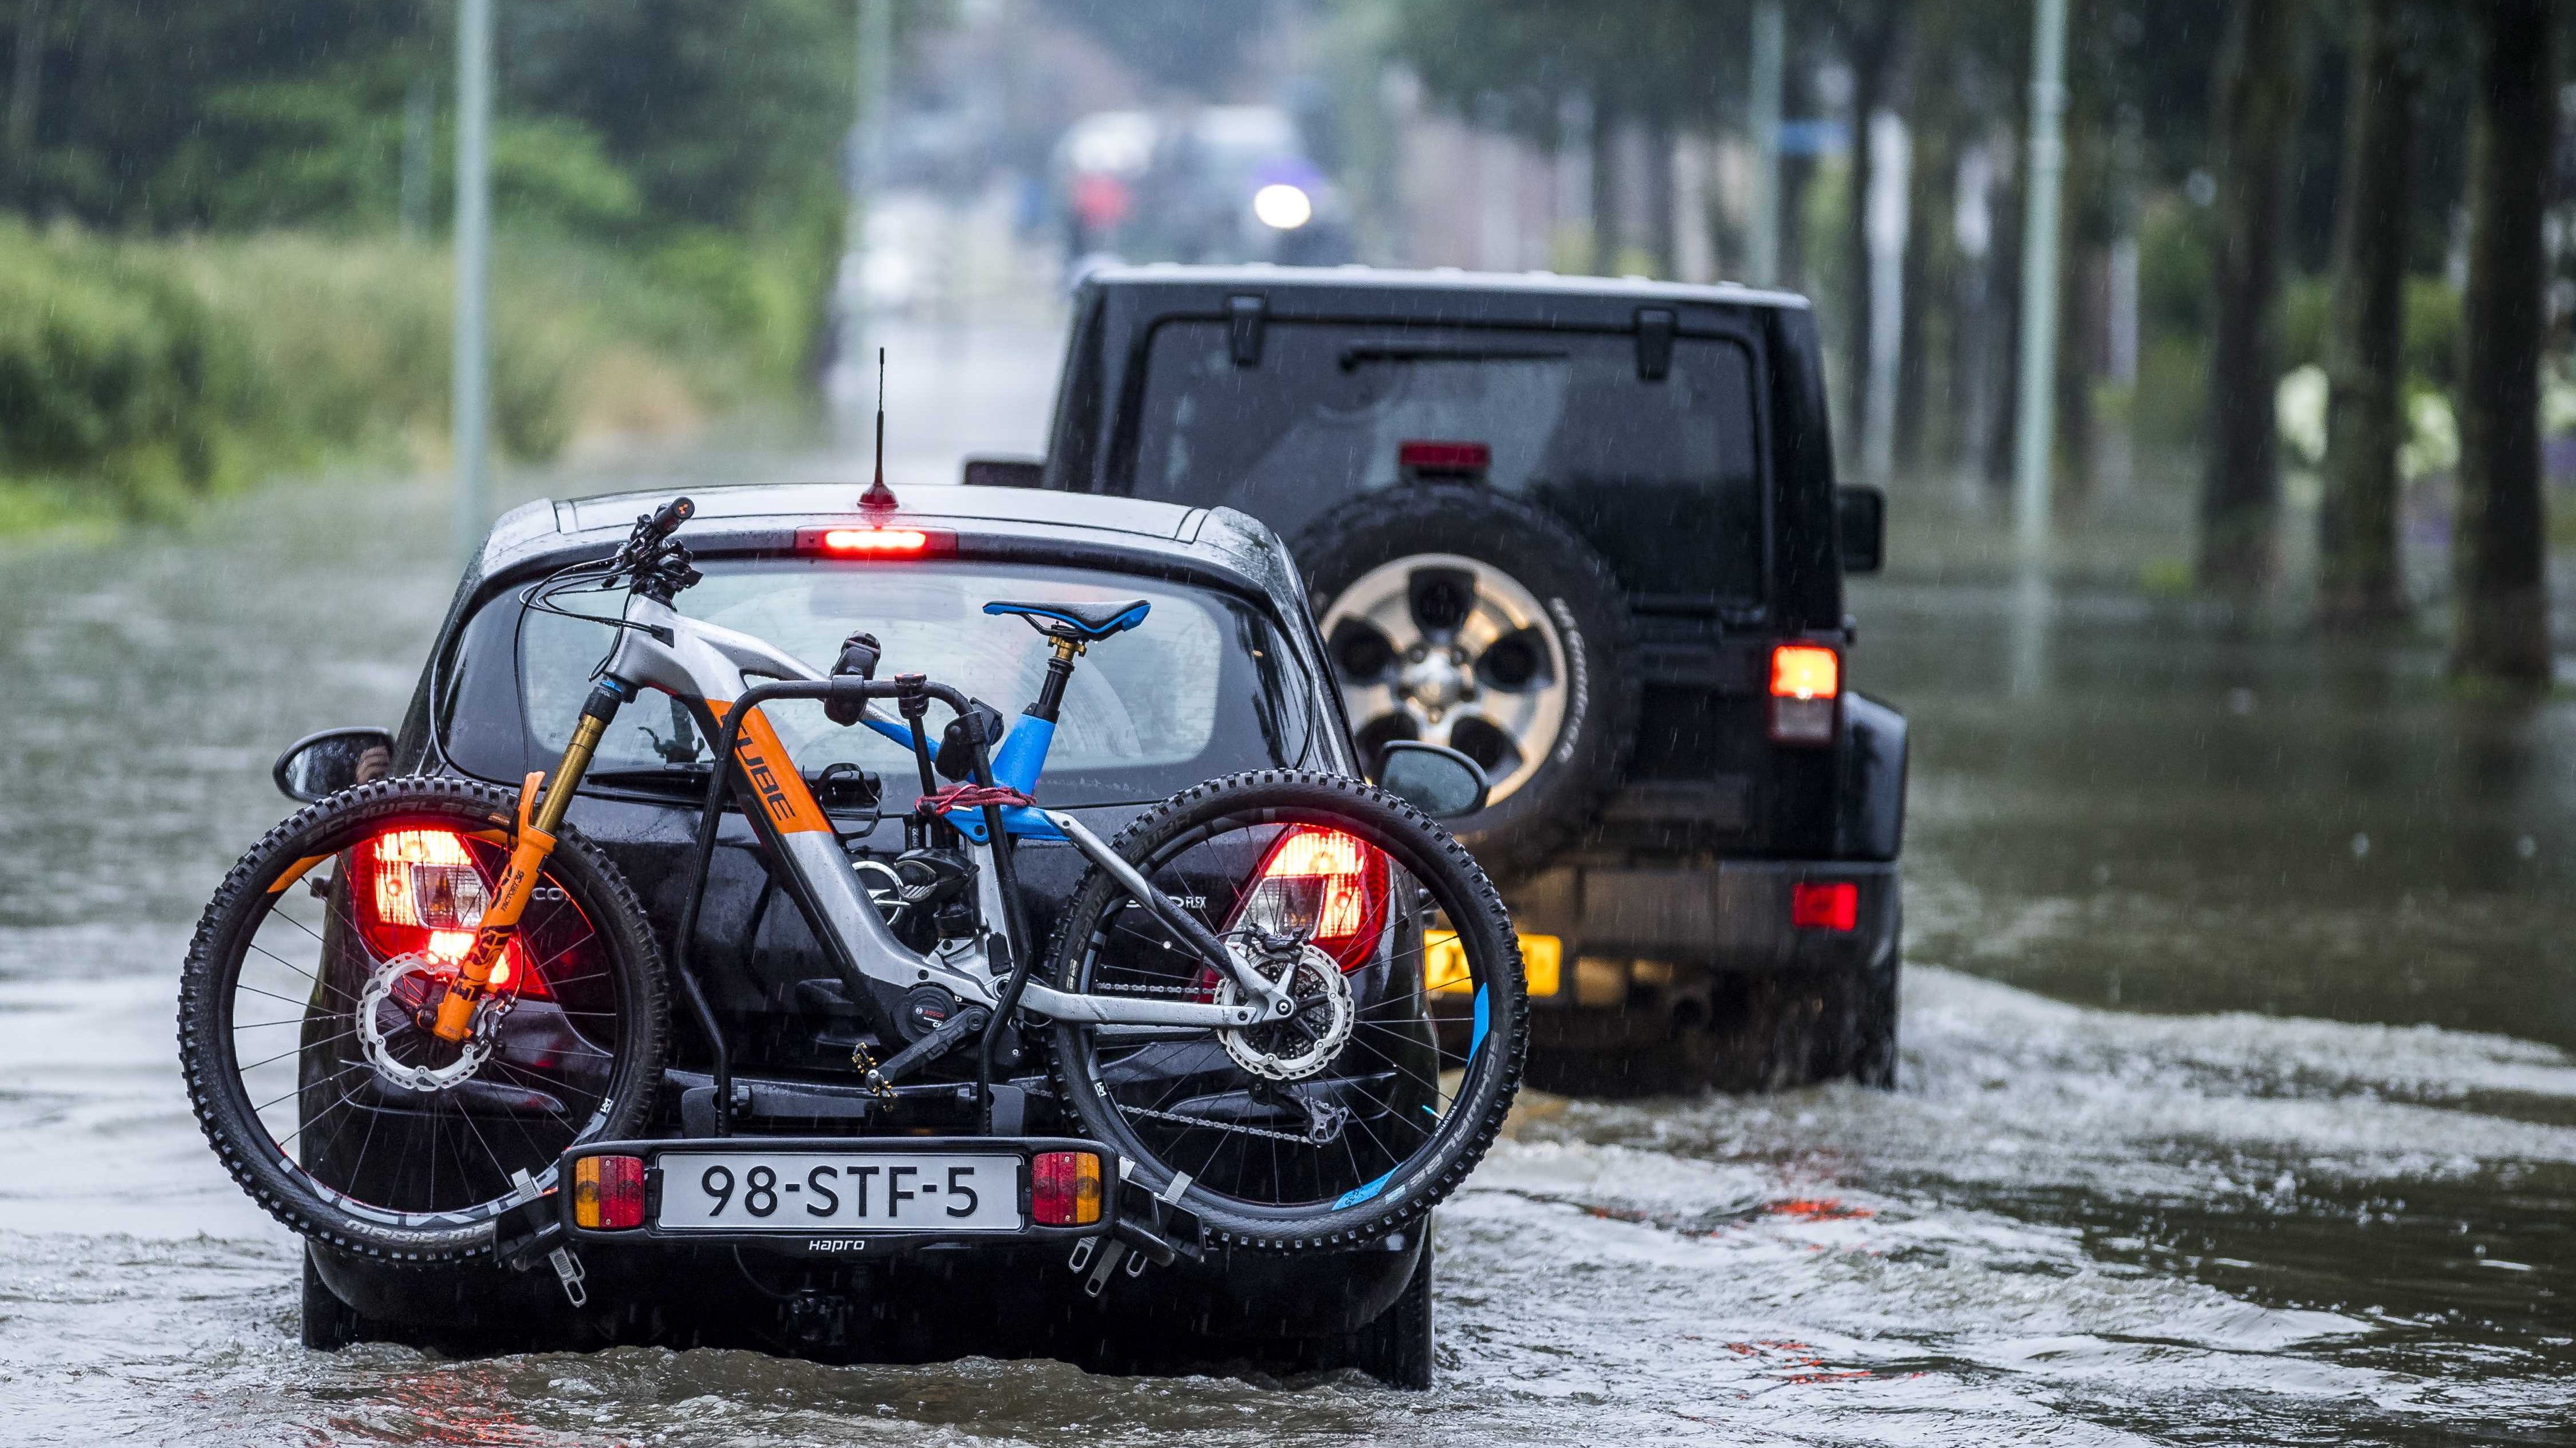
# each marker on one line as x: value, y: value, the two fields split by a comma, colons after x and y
x: 1353, y: 356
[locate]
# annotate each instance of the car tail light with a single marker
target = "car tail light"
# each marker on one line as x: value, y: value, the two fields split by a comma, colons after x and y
x: 424, y: 892
x: 1321, y: 883
x: 1806, y: 683
x: 1444, y: 457
x: 1064, y: 1189
x: 1827, y: 905
x: 860, y: 540
x: 608, y: 1192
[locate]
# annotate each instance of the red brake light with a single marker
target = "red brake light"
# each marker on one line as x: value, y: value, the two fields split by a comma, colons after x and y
x: 1321, y: 882
x: 608, y: 1192
x: 425, y: 891
x: 1806, y: 679
x: 865, y: 540
x: 1444, y: 457
x: 1831, y: 905
x: 1064, y: 1189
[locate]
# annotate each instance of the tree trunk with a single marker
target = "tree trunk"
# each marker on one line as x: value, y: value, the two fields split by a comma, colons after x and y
x: 1605, y: 189
x: 1663, y: 233
x: 26, y: 98
x: 2359, y: 584
x: 2501, y: 631
x: 2258, y: 95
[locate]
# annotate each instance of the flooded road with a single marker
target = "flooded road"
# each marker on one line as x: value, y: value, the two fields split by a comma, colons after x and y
x: 2235, y: 1103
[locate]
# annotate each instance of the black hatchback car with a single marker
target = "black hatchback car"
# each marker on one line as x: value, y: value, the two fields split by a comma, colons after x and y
x: 1232, y: 678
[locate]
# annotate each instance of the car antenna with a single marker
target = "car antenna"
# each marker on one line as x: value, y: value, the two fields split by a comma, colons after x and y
x: 878, y: 494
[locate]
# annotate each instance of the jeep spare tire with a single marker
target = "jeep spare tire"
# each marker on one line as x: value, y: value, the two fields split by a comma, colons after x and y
x: 1462, y: 617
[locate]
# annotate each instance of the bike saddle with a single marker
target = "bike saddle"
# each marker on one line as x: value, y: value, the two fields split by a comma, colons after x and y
x: 1083, y: 622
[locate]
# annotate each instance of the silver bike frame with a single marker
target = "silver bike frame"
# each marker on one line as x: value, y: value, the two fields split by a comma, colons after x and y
x: 693, y: 660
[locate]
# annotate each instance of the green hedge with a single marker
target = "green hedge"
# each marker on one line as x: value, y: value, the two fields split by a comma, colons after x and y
x: 134, y: 375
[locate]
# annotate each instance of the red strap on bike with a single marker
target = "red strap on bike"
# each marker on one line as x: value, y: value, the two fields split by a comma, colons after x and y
x: 972, y: 796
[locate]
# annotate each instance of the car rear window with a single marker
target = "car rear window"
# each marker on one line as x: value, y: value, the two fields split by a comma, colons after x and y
x: 1659, y: 475
x: 1202, y: 688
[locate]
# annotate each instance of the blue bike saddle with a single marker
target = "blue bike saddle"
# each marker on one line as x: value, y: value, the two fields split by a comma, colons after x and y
x: 1087, y: 622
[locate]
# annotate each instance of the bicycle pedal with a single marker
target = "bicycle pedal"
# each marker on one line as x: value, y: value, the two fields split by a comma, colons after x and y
x: 864, y: 1061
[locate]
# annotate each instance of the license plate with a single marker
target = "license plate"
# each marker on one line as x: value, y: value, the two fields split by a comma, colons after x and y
x: 810, y: 1191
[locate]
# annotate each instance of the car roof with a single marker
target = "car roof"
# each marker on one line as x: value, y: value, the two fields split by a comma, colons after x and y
x: 1357, y: 278
x: 1016, y: 523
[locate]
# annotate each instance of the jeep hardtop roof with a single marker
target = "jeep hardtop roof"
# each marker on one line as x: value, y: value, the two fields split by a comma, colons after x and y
x: 1493, y: 297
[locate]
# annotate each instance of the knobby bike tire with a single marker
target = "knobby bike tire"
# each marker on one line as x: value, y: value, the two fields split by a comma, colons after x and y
x: 1437, y: 862
x: 228, y: 931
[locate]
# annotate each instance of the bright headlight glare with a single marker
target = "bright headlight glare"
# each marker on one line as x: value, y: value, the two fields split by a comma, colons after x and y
x: 1282, y: 207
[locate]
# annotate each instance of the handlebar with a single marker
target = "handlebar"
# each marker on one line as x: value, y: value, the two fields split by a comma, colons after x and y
x: 667, y: 520
x: 660, y: 566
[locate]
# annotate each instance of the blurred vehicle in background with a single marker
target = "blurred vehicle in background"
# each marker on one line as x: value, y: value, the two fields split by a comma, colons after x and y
x: 1215, y: 184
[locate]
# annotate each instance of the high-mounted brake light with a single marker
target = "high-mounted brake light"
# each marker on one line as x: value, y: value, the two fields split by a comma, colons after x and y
x: 1321, y: 883
x: 1806, y: 682
x: 1444, y: 457
x: 608, y: 1192
x: 1064, y: 1189
x: 872, y: 541
x: 1824, y: 905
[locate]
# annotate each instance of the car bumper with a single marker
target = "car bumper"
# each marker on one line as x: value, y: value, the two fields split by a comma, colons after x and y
x: 776, y: 1234
x: 1619, y: 926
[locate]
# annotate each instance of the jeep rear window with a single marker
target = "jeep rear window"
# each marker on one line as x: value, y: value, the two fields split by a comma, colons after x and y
x: 1659, y: 475
x: 1202, y: 688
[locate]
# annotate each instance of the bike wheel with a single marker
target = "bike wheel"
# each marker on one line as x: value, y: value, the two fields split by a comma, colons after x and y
x: 1378, y: 1098
x: 300, y: 1001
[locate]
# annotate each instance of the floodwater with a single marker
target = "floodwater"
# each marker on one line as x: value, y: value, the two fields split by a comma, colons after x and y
x: 2235, y: 1103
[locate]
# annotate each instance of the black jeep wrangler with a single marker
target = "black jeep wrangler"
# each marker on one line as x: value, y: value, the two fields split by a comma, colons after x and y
x: 1586, y: 532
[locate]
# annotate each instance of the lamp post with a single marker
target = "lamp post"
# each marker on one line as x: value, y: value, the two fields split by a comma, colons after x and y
x: 1770, y: 46
x: 2035, y: 394
x: 470, y: 402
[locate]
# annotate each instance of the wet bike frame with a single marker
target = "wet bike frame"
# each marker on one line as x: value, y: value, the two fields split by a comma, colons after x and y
x: 709, y: 668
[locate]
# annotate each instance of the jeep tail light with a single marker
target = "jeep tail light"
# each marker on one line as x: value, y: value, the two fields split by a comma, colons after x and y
x: 1444, y: 457
x: 608, y: 1192
x: 1806, y: 685
x: 1064, y: 1189
x: 864, y: 540
x: 1321, y: 883
x: 423, y: 892
x: 1824, y: 905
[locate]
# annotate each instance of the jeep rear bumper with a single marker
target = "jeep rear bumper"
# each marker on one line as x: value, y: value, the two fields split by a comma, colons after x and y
x: 1618, y: 922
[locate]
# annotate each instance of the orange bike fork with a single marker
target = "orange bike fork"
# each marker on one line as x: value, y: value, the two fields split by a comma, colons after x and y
x: 534, y: 841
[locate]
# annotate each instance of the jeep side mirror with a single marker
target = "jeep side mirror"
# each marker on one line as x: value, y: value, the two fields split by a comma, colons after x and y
x: 1860, y: 515
x: 1002, y: 472
x: 1441, y: 783
x: 319, y: 765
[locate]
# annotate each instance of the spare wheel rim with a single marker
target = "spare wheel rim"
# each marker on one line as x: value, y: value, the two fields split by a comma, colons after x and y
x: 1451, y: 650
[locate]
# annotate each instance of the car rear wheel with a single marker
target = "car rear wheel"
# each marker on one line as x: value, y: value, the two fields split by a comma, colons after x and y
x: 1460, y: 617
x: 328, y: 1323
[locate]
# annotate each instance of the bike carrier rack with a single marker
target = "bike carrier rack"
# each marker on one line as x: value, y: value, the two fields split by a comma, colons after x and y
x: 911, y: 693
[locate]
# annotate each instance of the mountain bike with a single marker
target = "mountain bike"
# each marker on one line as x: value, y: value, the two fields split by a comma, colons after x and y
x: 413, y: 1003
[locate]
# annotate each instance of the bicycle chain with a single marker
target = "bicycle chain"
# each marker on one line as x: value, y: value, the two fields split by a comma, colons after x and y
x: 1289, y: 1137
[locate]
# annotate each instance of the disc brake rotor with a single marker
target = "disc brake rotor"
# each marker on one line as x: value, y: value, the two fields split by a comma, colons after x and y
x: 1307, y: 1042
x: 378, y: 1008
